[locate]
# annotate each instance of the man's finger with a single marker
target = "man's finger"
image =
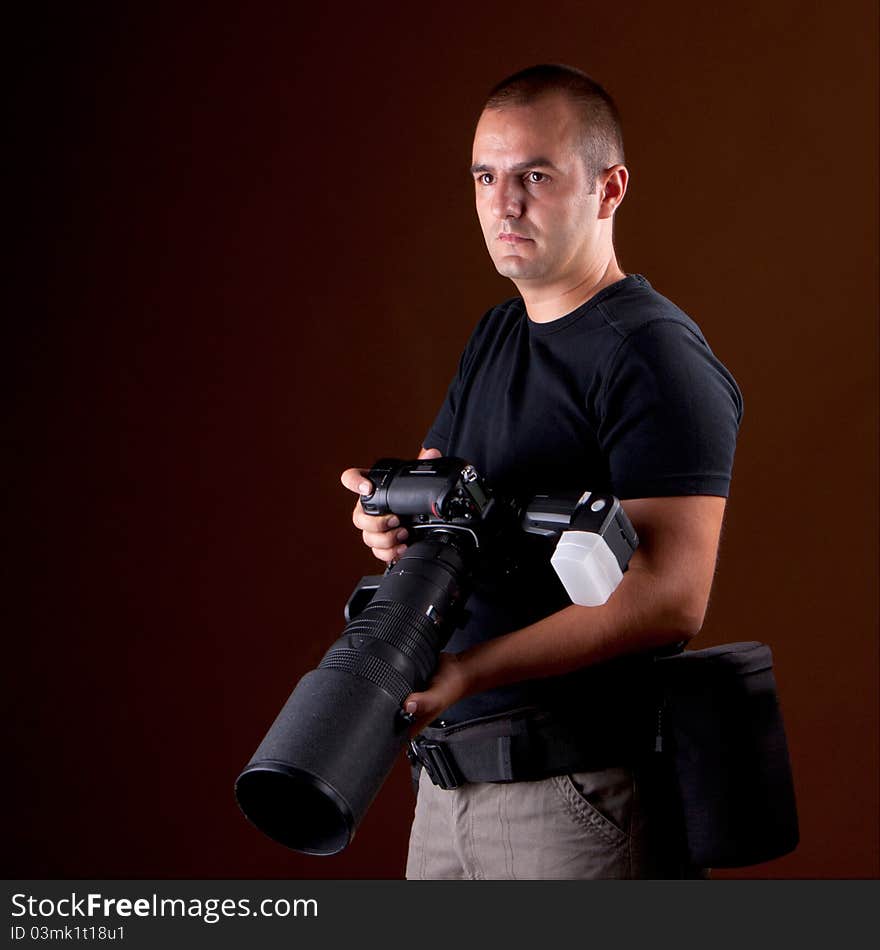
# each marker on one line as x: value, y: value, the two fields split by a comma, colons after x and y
x: 373, y: 522
x: 389, y: 555
x: 384, y: 539
x: 354, y: 480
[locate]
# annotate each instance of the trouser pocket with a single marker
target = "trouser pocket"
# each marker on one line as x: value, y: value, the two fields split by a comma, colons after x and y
x: 602, y: 802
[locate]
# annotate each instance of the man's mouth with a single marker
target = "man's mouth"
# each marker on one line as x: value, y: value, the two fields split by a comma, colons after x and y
x: 512, y: 238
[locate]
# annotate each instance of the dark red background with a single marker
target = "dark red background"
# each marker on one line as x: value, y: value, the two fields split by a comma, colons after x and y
x: 246, y: 258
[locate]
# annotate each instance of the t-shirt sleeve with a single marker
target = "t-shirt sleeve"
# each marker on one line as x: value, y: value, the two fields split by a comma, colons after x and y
x: 669, y: 413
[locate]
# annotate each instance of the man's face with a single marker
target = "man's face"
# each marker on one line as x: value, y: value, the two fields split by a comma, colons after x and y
x: 532, y: 192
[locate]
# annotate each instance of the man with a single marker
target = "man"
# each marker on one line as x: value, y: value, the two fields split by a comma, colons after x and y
x: 588, y: 380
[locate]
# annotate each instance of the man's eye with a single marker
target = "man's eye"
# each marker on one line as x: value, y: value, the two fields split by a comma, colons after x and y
x: 486, y: 179
x: 536, y: 177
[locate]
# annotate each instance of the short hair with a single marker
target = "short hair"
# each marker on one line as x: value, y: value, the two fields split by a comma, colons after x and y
x: 602, y: 132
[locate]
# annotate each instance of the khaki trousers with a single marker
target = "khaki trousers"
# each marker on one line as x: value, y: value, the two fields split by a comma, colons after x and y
x: 587, y: 825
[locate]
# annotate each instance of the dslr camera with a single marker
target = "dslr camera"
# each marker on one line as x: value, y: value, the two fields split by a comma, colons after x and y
x: 325, y: 757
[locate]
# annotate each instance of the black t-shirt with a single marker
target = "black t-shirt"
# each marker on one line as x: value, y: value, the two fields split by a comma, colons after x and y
x: 622, y: 394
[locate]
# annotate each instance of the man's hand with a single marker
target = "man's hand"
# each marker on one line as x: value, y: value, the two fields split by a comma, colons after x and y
x: 382, y: 533
x: 446, y: 688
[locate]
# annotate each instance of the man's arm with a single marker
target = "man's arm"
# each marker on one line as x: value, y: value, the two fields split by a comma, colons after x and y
x: 662, y: 599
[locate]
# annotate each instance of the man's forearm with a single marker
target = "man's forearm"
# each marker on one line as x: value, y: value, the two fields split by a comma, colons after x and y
x: 662, y: 599
x: 641, y: 615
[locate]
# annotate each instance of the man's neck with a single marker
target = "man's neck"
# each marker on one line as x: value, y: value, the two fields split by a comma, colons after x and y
x: 547, y: 303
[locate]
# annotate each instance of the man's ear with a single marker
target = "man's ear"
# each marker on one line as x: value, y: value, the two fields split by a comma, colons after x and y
x: 611, y: 187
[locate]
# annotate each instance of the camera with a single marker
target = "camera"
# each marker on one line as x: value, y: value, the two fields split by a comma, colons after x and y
x: 330, y: 749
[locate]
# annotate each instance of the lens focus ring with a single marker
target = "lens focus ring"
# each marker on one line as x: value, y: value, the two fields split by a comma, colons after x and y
x: 370, y: 668
x: 401, y: 627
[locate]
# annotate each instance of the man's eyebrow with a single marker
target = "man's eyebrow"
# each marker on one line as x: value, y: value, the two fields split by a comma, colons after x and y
x: 538, y: 162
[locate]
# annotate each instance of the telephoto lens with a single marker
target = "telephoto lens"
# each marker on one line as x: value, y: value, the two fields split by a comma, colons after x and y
x: 332, y: 746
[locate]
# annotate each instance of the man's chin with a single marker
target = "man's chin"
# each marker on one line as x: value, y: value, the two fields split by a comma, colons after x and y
x: 517, y: 268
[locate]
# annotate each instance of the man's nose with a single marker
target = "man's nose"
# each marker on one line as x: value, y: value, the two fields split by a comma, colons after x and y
x: 507, y: 199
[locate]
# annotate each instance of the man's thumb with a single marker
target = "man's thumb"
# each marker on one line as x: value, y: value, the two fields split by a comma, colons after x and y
x: 353, y: 479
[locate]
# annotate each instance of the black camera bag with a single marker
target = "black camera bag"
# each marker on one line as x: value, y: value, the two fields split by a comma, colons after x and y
x: 722, y: 726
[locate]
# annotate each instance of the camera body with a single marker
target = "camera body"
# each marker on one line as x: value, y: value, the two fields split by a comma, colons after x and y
x: 439, y: 491
x: 595, y: 538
